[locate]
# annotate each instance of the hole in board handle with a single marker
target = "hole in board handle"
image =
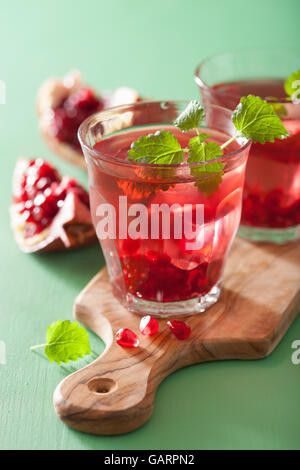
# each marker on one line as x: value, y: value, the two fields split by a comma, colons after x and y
x: 102, y: 386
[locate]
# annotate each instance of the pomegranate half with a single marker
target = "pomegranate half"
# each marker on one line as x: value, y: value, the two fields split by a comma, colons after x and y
x: 64, y: 103
x: 49, y: 212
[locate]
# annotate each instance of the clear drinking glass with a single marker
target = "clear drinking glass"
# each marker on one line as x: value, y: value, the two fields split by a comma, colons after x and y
x: 271, y: 199
x: 164, y: 238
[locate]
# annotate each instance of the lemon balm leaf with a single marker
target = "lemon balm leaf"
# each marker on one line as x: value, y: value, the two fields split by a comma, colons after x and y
x: 256, y: 119
x: 210, y: 172
x: 253, y: 118
x: 161, y: 148
x: 204, y: 152
x: 200, y: 138
x: 65, y: 342
x: 191, y: 118
x: 209, y: 184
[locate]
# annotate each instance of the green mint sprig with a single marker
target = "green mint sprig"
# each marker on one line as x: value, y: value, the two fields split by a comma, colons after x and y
x: 65, y: 341
x: 200, y: 151
x: 256, y: 120
x: 292, y: 85
x: 192, y: 117
x: 253, y: 118
x: 161, y: 148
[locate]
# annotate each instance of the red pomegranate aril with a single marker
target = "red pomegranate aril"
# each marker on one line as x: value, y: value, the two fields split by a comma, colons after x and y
x: 20, y: 196
x: 71, y: 185
x: 62, y: 126
x: 43, y: 183
x: 127, y: 338
x: 27, y: 215
x: 45, y: 170
x: 48, y: 204
x: 83, y: 99
x: 149, y: 325
x: 68, y: 116
x: 59, y: 190
x: 180, y: 329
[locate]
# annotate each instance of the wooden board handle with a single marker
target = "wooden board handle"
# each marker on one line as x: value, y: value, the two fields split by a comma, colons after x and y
x: 105, y: 399
x: 115, y: 394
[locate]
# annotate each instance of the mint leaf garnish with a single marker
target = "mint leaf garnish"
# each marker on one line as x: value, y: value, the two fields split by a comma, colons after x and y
x: 65, y: 342
x: 191, y: 117
x: 256, y: 119
x: 253, y: 118
x: 199, y: 138
x: 209, y: 184
x: 292, y: 85
x: 159, y: 148
x: 204, y: 152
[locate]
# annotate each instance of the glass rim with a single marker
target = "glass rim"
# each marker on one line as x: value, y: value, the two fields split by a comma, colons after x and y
x: 246, y: 50
x: 83, y: 129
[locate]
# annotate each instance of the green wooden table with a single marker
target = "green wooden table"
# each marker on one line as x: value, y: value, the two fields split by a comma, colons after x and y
x: 153, y: 47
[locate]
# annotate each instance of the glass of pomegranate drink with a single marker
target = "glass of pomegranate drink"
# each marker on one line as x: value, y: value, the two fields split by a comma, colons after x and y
x: 271, y: 199
x: 165, y: 229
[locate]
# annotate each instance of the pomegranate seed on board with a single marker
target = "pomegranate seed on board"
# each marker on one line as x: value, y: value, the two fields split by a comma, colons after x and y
x: 180, y: 329
x: 148, y: 326
x: 127, y: 338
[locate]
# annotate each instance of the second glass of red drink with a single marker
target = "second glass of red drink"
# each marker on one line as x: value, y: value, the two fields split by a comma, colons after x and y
x: 271, y: 199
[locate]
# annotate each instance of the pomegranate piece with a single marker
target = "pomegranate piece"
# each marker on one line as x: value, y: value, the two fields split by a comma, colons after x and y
x: 148, y: 326
x: 42, y: 193
x: 63, y: 104
x: 127, y: 338
x: 71, y: 112
x: 83, y: 100
x: 49, y: 212
x: 180, y: 329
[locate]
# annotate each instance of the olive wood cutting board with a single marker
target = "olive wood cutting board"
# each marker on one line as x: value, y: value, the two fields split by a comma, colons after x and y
x: 115, y: 394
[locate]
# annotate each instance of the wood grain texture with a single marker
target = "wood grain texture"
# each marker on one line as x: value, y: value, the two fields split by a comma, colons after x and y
x: 115, y: 394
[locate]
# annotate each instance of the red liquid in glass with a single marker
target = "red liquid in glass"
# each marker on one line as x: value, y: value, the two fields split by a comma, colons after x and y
x: 272, y: 185
x: 158, y: 269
